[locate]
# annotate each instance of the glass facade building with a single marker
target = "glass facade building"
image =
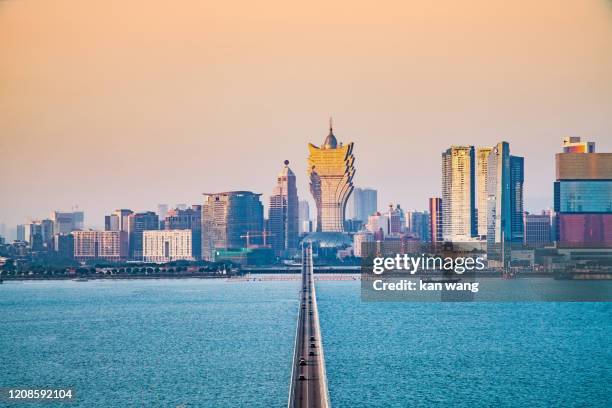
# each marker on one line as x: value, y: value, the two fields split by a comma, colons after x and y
x: 228, y: 218
x: 592, y: 196
x: 583, y: 196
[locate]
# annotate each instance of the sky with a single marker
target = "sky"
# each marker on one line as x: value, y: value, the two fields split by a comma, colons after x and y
x: 127, y: 104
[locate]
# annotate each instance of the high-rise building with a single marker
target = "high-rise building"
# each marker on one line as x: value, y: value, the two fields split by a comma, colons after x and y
x: 138, y: 223
x: 583, y: 196
x: 100, y: 245
x: 66, y: 222
x: 304, y: 217
x: 167, y: 245
x: 397, y: 220
x: 517, y: 179
x: 482, y: 159
x: 435, y: 219
x: 362, y: 203
x: 187, y: 219
x: 331, y: 170
x: 458, y: 194
x: 504, y: 203
x: 38, y: 234
x: 63, y: 245
x: 283, y: 217
x: 230, y: 220
x: 537, y: 228
x: 119, y: 220
x: 162, y: 210
x: 418, y: 223
x: 20, y: 234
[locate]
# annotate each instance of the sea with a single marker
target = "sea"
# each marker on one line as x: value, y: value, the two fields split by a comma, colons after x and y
x: 229, y: 343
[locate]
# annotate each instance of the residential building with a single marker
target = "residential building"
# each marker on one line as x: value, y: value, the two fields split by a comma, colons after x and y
x: 167, y: 245
x: 109, y: 246
x: 458, y: 194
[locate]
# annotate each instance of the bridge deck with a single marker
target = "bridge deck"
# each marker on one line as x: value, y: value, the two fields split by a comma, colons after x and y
x: 308, y: 379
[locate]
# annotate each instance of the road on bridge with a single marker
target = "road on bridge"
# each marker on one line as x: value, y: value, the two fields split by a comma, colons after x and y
x: 308, y: 379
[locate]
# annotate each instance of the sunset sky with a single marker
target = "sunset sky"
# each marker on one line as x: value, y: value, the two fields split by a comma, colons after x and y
x: 127, y: 104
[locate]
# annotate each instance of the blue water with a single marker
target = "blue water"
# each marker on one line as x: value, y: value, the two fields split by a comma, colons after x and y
x: 464, y: 354
x: 211, y: 343
x: 199, y: 343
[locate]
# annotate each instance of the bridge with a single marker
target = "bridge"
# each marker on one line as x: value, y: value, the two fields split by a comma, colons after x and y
x: 308, y: 387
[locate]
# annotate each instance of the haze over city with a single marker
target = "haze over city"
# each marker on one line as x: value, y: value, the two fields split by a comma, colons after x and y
x: 110, y: 105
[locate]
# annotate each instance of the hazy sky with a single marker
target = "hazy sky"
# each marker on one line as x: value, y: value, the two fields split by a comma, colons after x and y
x: 108, y: 104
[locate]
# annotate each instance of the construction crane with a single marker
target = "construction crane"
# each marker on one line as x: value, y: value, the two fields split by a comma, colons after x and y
x: 250, y: 235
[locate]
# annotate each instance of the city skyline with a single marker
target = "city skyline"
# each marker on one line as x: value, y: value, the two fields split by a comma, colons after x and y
x: 107, y: 110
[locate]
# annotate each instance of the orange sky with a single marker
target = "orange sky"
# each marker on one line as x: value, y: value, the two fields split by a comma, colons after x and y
x: 106, y: 104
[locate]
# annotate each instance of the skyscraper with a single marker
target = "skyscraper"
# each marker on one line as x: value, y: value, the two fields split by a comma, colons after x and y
x: 482, y: 159
x: 66, y: 222
x: 435, y: 219
x: 397, y: 220
x: 583, y: 196
x: 119, y: 220
x: 283, y: 217
x: 458, y: 195
x: 505, y: 176
x: 362, y: 203
x: 418, y: 223
x: 187, y: 219
x: 517, y: 179
x: 138, y: 223
x: 228, y: 218
x: 304, y: 216
x: 331, y: 171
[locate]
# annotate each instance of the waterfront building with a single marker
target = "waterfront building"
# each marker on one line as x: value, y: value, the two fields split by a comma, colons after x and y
x: 109, y: 246
x: 482, y: 159
x: 331, y: 171
x: 362, y: 203
x: 504, y: 203
x: 283, y: 217
x: 537, y: 228
x: 458, y: 194
x: 231, y: 220
x: 163, y: 246
x: 187, y: 219
x: 435, y: 219
x: 137, y: 224
x: 583, y: 196
x: 66, y: 222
